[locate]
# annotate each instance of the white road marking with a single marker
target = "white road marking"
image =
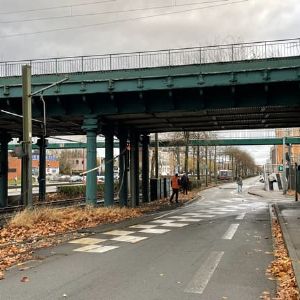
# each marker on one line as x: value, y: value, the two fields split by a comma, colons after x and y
x: 190, y: 220
x: 234, y: 207
x: 174, y: 225
x: 118, y: 232
x: 163, y: 221
x: 197, y: 215
x: 230, y: 232
x: 129, y: 238
x: 87, y: 241
x: 143, y: 226
x: 155, y: 230
x: 164, y: 215
x: 95, y: 249
x: 217, y: 212
x: 224, y: 209
x: 200, y: 215
x: 241, y: 216
x: 200, y: 280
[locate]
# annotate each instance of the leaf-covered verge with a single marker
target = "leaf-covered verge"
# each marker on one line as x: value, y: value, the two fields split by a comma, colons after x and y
x: 33, y: 229
x: 281, y: 268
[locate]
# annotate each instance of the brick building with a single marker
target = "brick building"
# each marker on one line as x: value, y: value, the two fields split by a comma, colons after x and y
x: 14, y: 166
x: 276, y: 151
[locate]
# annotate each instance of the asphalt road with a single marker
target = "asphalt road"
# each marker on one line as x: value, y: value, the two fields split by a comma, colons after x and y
x: 215, y: 248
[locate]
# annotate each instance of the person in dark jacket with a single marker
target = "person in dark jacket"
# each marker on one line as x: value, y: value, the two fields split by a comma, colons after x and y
x: 185, y: 184
x: 239, y: 182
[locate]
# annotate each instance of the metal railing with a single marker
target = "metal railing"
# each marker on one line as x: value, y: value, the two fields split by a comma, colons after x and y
x: 152, y: 59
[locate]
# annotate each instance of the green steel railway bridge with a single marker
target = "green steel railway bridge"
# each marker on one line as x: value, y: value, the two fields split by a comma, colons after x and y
x: 130, y: 95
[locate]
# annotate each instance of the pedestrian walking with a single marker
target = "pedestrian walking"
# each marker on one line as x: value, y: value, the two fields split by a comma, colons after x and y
x: 239, y: 182
x: 175, y: 184
x: 184, y: 184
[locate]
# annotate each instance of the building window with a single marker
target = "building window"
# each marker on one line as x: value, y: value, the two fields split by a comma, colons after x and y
x: 77, y: 161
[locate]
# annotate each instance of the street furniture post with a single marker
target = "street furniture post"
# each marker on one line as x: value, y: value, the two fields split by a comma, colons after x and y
x: 27, y: 137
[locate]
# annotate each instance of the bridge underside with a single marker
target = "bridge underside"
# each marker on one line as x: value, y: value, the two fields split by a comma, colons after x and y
x: 224, y: 96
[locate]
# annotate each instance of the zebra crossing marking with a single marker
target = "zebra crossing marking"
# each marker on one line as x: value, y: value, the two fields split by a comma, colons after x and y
x: 143, y: 226
x: 95, y: 249
x: 174, y: 225
x: 129, y: 238
x: 87, y: 241
x: 91, y: 245
x: 155, y: 230
x: 118, y: 232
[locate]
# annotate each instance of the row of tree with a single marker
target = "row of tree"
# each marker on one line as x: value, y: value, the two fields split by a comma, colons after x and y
x: 196, y: 160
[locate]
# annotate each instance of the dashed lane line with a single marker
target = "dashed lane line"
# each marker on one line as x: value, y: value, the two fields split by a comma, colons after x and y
x: 241, y: 216
x: 201, y: 278
x: 230, y: 232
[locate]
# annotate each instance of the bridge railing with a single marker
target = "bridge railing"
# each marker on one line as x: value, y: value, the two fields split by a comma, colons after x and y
x: 152, y: 59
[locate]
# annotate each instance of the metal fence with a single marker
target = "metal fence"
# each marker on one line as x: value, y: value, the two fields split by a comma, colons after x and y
x: 152, y: 59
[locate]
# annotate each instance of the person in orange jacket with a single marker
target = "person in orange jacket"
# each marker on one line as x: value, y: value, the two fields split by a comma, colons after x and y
x: 175, y: 184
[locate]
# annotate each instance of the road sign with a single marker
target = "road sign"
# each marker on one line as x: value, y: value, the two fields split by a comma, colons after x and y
x: 280, y: 168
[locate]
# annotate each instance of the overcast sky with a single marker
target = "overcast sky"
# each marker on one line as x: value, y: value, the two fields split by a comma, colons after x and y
x: 23, y: 36
x: 136, y: 25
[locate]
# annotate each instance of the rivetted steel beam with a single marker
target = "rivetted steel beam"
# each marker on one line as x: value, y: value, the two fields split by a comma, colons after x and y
x: 211, y: 75
x: 214, y: 142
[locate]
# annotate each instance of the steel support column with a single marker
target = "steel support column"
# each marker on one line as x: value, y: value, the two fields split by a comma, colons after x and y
x: 156, y: 155
x: 4, y: 171
x: 90, y: 126
x: 134, y: 169
x: 123, y: 175
x: 42, y: 143
x: 109, y: 169
x: 145, y: 168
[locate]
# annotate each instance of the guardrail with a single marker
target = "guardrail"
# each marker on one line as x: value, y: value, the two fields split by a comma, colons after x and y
x: 152, y: 59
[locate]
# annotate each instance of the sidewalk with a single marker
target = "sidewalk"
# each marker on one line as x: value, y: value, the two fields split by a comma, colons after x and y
x: 288, y: 215
x: 289, y: 219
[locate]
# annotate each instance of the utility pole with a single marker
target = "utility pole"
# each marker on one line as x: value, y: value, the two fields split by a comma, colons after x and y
x: 27, y: 137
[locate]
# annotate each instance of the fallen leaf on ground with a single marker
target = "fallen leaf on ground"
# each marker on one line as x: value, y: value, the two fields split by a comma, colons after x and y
x: 25, y: 279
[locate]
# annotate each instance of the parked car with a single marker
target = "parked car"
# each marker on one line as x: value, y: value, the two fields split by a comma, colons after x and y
x: 64, y: 178
x: 100, y: 179
x: 76, y: 178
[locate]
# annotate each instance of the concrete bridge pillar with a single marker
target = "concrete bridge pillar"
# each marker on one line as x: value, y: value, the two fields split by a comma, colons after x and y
x: 90, y: 125
x: 123, y: 170
x: 134, y: 168
x: 109, y: 169
x: 145, y: 167
x: 4, y: 170
x: 42, y: 143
